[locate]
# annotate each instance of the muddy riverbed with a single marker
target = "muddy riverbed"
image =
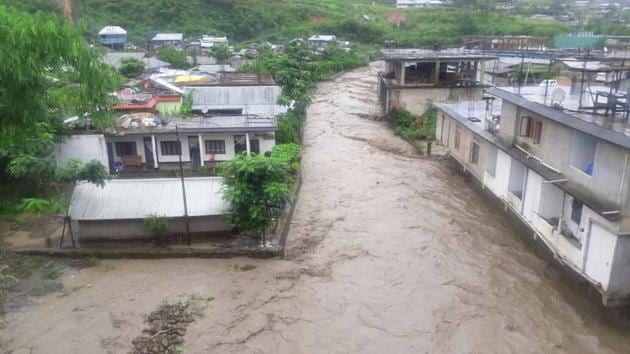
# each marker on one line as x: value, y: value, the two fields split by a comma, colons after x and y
x: 388, y: 252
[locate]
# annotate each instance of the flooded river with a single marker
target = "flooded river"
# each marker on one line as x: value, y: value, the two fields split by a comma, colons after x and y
x: 388, y: 252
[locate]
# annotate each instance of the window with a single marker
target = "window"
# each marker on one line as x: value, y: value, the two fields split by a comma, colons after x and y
x: 215, y: 147
x: 170, y: 148
x: 126, y: 149
x: 526, y: 127
x: 583, y: 148
x: 458, y: 138
x: 537, y: 132
x: 240, y: 145
x: 517, y: 178
x: 576, y: 211
x: 491, y: 160
x: 474, y: 153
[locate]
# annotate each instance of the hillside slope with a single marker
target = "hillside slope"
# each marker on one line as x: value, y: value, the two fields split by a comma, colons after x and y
x: 363, y: 21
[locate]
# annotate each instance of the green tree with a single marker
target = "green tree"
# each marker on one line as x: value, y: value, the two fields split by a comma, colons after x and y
x: 256, y: 188
x: 177, y: 58
x: 47, y: 74
x: 221, y: 53
x: 131, y: 67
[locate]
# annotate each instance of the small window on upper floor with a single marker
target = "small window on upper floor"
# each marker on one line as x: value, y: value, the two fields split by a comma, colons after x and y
x: 474, y: 153
x: 458, y: 138
x: 526, y: 127
x: 583, y: 148
x: 537, y: 131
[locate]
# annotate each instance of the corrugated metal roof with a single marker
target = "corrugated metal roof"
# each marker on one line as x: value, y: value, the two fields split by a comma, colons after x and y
x: 168, y: 37
x: 115, y: 58
x: 138, y: 198
x: 166, y: 84
x: 146, y: 123
x: 323, y: 38
x: 403, y: 54
x: 259, y: 100
x: 112, y: 30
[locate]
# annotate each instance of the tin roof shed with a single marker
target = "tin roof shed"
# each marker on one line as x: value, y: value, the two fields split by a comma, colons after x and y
x: 128, y: 199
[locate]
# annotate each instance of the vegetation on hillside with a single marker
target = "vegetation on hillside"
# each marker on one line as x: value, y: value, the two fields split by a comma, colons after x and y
x: 363, y: 21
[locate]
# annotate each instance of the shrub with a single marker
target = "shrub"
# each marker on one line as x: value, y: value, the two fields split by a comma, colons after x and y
x: 131, y: 67
x: 256, y: 188
x: 411, y: 127
x: 41, y: 206
x: 289, y: 154
x: 158, y: 226
x: 177, y: 58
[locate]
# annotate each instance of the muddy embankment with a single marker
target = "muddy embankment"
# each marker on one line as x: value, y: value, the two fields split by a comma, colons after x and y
x: 388, y: 252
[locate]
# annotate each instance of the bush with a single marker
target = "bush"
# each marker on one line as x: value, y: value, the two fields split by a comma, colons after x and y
x: 288, y: 154
x: 41, y: 206
x: 131, y: 67
x: 158, y: 226
x: 256, y: 188
x: 412, y: 128
x: 177, y: 58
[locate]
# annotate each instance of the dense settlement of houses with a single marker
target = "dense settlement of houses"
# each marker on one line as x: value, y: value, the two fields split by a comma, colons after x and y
x: 228, y: 113
x: 556, y: 153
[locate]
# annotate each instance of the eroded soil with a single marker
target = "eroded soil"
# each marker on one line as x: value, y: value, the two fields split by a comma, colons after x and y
x: 388, y: 252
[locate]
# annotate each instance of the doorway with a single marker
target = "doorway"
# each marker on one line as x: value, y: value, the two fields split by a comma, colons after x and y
x: 194, y: 150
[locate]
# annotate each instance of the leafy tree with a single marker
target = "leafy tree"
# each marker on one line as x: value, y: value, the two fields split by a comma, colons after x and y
x: 47, y: 73
x: 256, y: 188
x: 177, y: 58
x: 74, y: 171
x: 131, y: 67
x: 221, y: 53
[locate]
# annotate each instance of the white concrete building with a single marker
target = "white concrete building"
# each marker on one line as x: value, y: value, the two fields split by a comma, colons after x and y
x: 146, y: 144
x: 322, y: 41
x: 563, y: 171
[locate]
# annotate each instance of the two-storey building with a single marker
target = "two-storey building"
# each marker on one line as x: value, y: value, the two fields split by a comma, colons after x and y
x: 561, y: 163
x: 414, y: 77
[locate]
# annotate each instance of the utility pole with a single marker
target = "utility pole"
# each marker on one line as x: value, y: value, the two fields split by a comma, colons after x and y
x: 181, y: 174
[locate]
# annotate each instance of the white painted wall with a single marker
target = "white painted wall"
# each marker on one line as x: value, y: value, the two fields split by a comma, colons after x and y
x: 504, y: 162
x: 601, y: 249
x: 83, y: 147
x: 531, y: 201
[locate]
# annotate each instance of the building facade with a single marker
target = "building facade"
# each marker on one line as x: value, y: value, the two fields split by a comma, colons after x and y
x: 114, y: 37
x: 415, y: 77
x: 564, y: 173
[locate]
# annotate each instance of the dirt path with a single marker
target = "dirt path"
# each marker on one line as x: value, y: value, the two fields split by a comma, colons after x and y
x: 388, y: 253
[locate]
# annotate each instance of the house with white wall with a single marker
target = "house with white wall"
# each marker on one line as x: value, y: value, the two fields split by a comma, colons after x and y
x: 564, y: 171
x: 145, y: 143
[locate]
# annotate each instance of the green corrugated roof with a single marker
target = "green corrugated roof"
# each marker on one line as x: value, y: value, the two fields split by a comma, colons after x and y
x: 573, y: 42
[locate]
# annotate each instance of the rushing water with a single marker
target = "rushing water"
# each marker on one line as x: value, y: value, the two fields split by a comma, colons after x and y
x: 388, y: 253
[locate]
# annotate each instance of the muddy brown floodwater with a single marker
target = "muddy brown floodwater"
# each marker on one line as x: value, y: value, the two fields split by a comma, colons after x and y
x: 388, y: 253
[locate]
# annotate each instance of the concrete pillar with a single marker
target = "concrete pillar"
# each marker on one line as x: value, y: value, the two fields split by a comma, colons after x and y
x: 155, y: 154
x: 202, y: 150
x: 436, y: 77
x: 248, y: 148
x: 402, y: 73
x: 476, y: 66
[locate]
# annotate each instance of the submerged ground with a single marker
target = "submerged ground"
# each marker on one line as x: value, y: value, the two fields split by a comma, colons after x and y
x: 388, y: 252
